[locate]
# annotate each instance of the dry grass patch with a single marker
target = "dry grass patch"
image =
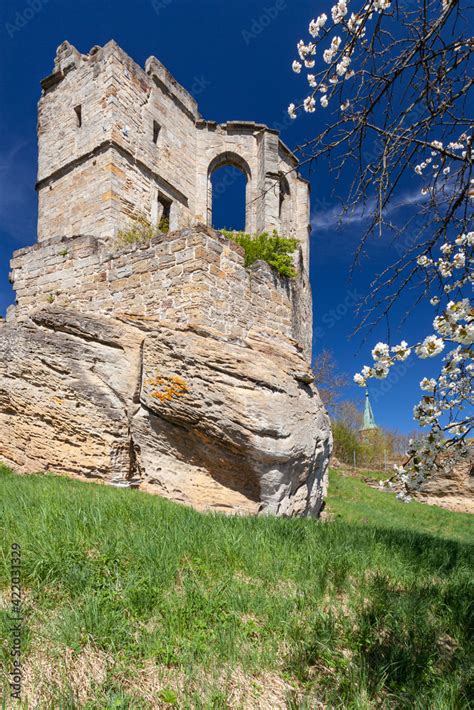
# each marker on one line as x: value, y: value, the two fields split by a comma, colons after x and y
x: 50, y: 673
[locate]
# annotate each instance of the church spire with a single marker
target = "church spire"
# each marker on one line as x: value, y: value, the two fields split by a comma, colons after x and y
x: 369, y: 419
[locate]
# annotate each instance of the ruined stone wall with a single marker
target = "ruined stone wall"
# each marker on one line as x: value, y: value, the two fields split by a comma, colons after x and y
x: 193, y: 276
x: 266, y: 161
x: 116, y: 140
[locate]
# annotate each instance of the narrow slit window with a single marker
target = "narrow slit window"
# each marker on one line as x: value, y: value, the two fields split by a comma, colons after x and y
x: 78, y: 112
x: 164, y: 213
x: 156, y: 132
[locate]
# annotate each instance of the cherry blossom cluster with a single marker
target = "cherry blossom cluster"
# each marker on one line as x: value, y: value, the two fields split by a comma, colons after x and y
x: 337, y: 54
x: 446, y: 400
x: 455, y: 263
x: 442, y: 160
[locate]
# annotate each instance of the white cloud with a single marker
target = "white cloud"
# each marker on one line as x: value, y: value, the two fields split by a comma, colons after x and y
x: 335, y: 217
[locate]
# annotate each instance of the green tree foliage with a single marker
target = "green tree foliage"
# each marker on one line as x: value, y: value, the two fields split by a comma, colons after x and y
x: 346, y: 441
x: 372, y: 451
x: 273, y: 249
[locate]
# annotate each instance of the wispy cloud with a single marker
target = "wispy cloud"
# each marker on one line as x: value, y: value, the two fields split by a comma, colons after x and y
x: 323, y: 218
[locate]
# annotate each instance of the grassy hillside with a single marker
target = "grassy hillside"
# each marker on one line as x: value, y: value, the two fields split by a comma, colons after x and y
x: 131, y: 601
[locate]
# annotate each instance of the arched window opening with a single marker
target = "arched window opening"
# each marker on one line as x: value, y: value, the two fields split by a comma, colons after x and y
x: 229, y: 192
x: 228, y: 206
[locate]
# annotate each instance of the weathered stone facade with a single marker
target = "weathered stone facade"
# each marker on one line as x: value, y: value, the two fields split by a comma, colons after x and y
x: 168, y: 360
x: 190, y: 276
x: 117, y: 141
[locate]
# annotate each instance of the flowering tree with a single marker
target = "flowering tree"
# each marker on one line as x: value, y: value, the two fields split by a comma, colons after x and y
x: 394, y: 78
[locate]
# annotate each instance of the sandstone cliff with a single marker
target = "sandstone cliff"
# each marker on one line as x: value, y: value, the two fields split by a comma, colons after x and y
x: 213, y: 411
x: 452, y: 486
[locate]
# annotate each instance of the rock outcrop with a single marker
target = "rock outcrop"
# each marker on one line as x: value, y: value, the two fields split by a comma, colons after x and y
x: 199, y: 419
x: 452, y: 486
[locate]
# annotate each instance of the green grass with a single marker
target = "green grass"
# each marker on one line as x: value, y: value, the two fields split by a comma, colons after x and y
x: 356, y: 503
x: 132, y: 601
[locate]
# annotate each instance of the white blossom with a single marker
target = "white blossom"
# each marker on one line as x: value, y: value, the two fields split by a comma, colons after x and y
x: 328, y: 55
x: 459, y: 260
x: 343, y: 65
x: 445, y: 397
x: 428, y: 384
x: 381, y: 370
x: 339, y: 11
x: 381, y: 5
x: 430, y: 347
x: 316, y: 25
x: 381, y: 351
x: 402, y: 351
x: 309, y: 104
x: 423, y: 260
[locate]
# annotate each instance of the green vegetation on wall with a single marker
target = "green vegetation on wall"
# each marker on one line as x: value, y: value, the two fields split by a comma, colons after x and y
x: 273, y: 249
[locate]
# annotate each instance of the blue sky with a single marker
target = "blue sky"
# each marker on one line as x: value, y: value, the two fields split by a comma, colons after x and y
x: 235, y: 57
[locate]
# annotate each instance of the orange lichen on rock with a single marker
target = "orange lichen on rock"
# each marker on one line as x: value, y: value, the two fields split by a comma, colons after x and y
x: 169, y: 387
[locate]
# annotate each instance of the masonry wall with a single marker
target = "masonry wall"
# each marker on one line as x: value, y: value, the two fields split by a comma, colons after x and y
x: 80, y: 202
x: 142, y: 100
x: 192, y: 276
x: 117, y: 104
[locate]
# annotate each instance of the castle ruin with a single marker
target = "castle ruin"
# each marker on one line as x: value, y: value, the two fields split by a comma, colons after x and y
x: 169, y: 361
x: 117, y: 142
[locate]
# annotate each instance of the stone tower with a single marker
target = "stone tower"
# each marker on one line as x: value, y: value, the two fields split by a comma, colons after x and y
x: 117, y: 141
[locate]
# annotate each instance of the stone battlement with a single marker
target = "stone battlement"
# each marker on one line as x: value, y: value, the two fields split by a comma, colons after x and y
x: 195, y: 276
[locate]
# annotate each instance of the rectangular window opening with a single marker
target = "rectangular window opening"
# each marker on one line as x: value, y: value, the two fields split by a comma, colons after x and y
x: 156, y: 132
x: 78, y: 112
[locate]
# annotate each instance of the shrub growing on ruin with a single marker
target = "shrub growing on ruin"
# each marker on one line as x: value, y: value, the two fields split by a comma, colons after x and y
x: 272, y: 249
x: 164, y: 225
x: 142, y: 231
